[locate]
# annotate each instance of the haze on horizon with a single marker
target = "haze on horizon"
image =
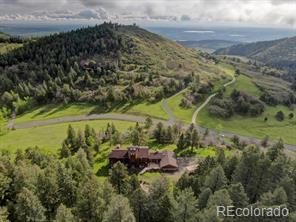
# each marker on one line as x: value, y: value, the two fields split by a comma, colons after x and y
x: 277, y: 13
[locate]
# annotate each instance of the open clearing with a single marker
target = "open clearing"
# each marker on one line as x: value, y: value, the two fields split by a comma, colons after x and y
x: 49, y: 138
x: 53, y: 111
x: 253, y: 126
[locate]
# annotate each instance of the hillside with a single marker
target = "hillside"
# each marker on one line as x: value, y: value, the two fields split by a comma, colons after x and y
x: 208, y: 44
x: 3, y: 36
x: 278, y: 53
x: 81, y: 65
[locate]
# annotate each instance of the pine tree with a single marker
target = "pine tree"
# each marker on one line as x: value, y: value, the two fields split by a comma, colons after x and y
x: 186, y: 208
x: 64, y: 214
x: 119, y: 178
x: 204, y: 197
x: 238, y: 195
x: 216, y: 179
x: 28, y: 208
x: 276, y: 150
x: 119, y: 210
x: 4, y: 214
x: 181, y: 145
x: 89, y: 204
x: 65, y: 151
x: 138, y: 202
x: 195, y: 139
x: 71, y: 139
x: 148, y: 123
x: 159, y: 133
x: 47, y: 190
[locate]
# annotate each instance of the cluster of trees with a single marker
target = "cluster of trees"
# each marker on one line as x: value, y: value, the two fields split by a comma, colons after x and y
x: 85, y: 65
x: 253, y: 179
x: 39, y: 187
x: 196, y: 90
x: 87, y: 140
x: 274, y: 98
x: 239, y: 102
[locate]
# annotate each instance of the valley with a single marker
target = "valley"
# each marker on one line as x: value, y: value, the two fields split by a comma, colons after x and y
x: 114, y: 120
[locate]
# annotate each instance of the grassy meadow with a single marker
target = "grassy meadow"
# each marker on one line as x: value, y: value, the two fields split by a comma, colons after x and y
x: 53, y: 111
x: 253, y: 126
x: 49, y: 138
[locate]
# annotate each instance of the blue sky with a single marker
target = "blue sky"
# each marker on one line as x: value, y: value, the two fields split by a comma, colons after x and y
x: 280, y: 13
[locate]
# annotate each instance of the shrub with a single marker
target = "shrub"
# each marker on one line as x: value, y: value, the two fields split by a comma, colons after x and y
x: 280, y: 116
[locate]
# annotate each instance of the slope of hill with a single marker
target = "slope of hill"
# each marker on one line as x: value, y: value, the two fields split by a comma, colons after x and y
x: 3, y: 36
x: 278, y: 53
x: 208, y: 44
x: 109, y: 63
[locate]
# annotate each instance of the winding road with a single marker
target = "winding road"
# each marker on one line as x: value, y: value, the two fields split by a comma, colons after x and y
x: 141, y: 119
x: 208, y: 100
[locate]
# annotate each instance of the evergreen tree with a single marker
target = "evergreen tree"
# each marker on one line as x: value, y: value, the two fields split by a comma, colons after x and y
x: 148, y: 123
x: 28, y: 208
x: 47, y: 190
x: 186, y: 208
x: 238, y: 195
x: 119, y: 178
x: 276, y: 150
x: 181, y: 145
x: 195, y: 139
x: 216, y: 179
x: 64, y: 214
x: 89, y: 204
x: 67, y: 185
x: 71, y: 138
x: 159, y: 133
x: 219, y: 198
x: 4, y: 214
x: 138, y: 201
x: 119, y: 210
x: 65, y: 151
x: 204, y: 197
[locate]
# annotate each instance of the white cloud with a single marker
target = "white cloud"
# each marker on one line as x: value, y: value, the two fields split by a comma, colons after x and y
x: 272, y: 12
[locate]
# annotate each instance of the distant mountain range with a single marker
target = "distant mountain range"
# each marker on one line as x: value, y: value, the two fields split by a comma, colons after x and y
x: 279, y: 53
x: 208, y: 44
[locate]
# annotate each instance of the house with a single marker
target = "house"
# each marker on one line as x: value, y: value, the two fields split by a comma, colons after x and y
x: 140, y: 158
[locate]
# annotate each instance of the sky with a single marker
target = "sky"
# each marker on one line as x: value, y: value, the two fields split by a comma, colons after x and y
x: 280, y: 13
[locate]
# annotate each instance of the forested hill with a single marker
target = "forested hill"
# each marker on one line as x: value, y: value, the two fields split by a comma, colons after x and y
x: 278, y: 53
x: 106, y: 63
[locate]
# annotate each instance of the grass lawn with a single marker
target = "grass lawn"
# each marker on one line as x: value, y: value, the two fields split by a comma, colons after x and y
x: 53, y: 111
x: 252, y: 126
x: 49, y: 138
x: 180, y: 113
x: 243, y: 83
x: 148, y: 109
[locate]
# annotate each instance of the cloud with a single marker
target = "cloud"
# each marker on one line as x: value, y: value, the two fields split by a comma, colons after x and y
x: 271, y: 12
x: 185, y: 18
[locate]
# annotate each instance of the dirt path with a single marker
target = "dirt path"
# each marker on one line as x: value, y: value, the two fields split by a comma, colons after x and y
x: 108, y: 116
x: 123, y: 117
x: 172, y: 118
x: 208, y: 100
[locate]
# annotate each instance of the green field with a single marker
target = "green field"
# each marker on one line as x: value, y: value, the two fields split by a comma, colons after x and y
x: 253, y: 126
x: 49, y: 138
x: 243, y: 83
x: 53, y: 111
x: 185, y: 115
x: 180, y: 113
